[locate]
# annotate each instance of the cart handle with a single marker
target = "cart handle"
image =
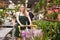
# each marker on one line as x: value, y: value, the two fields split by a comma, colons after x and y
x: 30, y: 25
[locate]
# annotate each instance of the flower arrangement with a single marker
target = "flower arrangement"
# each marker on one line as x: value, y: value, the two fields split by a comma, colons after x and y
x: 27, y: 34
x: 31, y: 34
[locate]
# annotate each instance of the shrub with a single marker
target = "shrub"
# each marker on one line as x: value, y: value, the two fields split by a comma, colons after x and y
x: 50, y: 28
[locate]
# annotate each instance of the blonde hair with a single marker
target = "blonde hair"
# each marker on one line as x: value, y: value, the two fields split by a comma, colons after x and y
x: 24, y: 12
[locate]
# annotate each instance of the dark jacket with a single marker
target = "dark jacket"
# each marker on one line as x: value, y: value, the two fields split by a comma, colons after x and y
x: 31, y: 15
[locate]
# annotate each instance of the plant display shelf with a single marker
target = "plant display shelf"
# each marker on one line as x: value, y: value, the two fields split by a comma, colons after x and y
x: 52, y: 20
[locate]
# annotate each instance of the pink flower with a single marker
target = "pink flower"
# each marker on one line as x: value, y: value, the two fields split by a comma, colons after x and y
x: 37, y: 32
x: 26, y: 34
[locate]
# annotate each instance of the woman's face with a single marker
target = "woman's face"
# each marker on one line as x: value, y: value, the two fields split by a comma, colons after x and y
x: 22, y: 8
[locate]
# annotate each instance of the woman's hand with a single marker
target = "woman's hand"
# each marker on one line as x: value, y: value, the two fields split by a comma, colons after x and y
x: 30, y: 24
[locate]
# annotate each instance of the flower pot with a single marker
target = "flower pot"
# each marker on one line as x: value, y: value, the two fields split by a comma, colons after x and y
x: 59, y: 17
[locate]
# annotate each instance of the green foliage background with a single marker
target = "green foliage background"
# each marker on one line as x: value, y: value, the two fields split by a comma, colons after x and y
x: 51, y: 29
x: 43, y: 3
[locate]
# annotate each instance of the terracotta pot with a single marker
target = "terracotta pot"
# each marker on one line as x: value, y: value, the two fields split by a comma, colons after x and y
x: 59, y: 17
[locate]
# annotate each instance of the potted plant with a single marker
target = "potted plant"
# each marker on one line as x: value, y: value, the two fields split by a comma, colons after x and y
x: 1, y: 16
x: 52, y: 16
x: 1, y: 21
x: 51, y: 29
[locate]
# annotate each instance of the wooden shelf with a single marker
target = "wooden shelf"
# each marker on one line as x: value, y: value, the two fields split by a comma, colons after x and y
x: 52, y: 20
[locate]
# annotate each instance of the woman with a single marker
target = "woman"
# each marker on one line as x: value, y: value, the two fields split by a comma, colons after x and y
x: 22, y: 18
